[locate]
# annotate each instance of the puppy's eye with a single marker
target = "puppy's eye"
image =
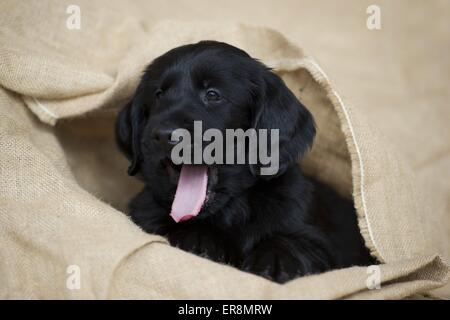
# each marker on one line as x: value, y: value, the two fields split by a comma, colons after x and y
x: 212, y: 95
x: 159, y: 93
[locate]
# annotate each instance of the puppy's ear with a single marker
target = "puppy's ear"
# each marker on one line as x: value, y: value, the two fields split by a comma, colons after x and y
x: 129, y: 126
x: 278, y: 108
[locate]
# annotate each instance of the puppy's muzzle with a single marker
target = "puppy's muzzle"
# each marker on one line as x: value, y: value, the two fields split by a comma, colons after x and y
x: 163, y: 137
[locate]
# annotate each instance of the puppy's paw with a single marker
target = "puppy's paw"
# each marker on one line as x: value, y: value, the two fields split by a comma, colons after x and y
x: 281, y: 261
x: 276, y: 266
x: 198, y: 240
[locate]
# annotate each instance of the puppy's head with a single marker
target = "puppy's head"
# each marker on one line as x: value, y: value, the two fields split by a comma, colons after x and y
x: 224, y: 88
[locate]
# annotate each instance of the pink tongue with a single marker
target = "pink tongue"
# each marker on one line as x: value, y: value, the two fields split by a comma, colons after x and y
x: 191, y: 192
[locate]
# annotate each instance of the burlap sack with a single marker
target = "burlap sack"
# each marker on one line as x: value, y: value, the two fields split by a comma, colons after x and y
x: 63, y: 183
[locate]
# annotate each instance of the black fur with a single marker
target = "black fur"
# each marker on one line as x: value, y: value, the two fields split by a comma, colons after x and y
x: 281, y: 226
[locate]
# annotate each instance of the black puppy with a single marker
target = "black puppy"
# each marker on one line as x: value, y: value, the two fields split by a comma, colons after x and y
x: 280, y: 226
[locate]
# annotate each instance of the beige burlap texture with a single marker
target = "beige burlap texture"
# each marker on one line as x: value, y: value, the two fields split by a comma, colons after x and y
x: 63, y: 184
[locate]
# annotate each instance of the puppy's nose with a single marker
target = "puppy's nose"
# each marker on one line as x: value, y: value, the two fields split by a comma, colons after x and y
x: 163, y: 136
